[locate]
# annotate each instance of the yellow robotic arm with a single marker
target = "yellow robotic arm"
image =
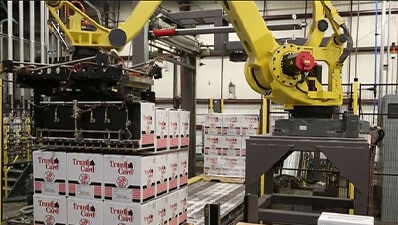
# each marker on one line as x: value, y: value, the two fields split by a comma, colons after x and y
x: 101, y: 37
x: 287, y: 74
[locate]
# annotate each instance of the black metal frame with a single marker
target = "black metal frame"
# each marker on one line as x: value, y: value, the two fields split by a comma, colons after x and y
x: 350, y: 155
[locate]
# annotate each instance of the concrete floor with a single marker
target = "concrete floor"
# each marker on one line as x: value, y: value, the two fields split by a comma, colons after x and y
x: 12, y: 209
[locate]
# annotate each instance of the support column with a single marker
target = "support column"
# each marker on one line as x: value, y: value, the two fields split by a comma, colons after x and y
x: 140, y: 44
x: 188, y: 97
x: 222, y: 38
x: 176, y: 97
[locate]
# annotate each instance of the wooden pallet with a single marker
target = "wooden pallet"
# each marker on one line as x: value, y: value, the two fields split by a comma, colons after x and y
x: 223, y: 179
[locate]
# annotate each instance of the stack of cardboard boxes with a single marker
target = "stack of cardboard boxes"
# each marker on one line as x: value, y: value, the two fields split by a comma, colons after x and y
x: 225, y: 143
x: 112, y: 189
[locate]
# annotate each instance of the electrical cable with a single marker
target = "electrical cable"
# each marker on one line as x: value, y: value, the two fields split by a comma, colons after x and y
x: 118, y: 13
x: 264, y: 3
x: 305, y: 17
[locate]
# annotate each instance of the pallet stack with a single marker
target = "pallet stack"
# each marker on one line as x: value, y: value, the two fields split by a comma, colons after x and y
x: 115, y: 188
x: 225, y: 143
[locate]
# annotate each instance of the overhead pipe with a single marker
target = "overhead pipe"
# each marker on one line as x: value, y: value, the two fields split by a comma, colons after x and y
x: 10, y: 77
x: 217, y: 30
x: 341, y: 13
x: 184, y: 42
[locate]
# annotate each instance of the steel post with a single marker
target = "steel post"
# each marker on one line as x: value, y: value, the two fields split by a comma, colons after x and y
x: 188, y: 97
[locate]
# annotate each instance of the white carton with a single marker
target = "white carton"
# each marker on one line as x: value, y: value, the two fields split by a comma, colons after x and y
x: 243, y: 150
x: 174, y: 170
x: 162, y: 129
x: 145, y: 135
x: 232, y: 124
x: 116, y: 213
x: 173, y: 207
x: 162, y: 210
x: 213, y: 165
x: 129, y: 178
x: 174, y: 128
x: 183, y: 168
x: 184, y: 128
x: 49, y: 171
x: 84, y: 211
x: 213, y: 145
x: 213, y: 123
x: 162, y: 174
x: 49, y: 209
x: 85, y: 175
x: 327, y: 218
x: 182, y: 205
x: 234, y: 166
x: 232, y: 145
x: 250, y: 124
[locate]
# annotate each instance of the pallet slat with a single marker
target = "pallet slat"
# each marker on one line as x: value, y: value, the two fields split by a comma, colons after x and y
x: 223, y: 179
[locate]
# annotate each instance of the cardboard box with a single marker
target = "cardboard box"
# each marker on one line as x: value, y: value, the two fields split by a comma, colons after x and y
x: 144, y: 132
x: 85, y: 175
x: 183, y: 168
x: 182, y: 205
x: 232, y: 124
x: 162, y: 210
x: 250, y: 124
x: 213, y: 165
x: 173, y: 208
x: 234, y: 166
x: 184, y: 128
x: 49, y: 209
x: 243, y: 149
x: 234, y: 161
x: 162, y: 174
x: 174, y: 129
x: 50, y: 172
x: 213, y: 124
x: 84, y: 211
x: 174, y: 170
x: 129, y: 178
x: 116, y: 213
x: 213, y: 145
x: 232, y: 145
x: 327, y: 218
x: 162, y: 129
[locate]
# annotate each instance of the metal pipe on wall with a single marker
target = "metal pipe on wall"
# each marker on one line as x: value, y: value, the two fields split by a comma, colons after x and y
x: 32, y: 53
x: 388, y: 47
x: 2, y: 38
x: 382, y: 44
x: 42, y: 35
x: 10, y: 55
x: 46, y: 34
x: 21, y: 48
x: 32, y: 30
